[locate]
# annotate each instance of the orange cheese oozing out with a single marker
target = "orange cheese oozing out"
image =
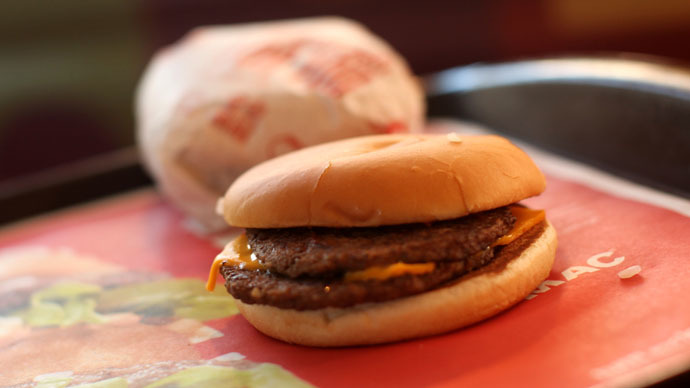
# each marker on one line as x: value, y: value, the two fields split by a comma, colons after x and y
x: 239, y: 253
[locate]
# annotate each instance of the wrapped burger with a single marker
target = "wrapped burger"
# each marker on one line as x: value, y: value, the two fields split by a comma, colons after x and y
x: 226, y: 98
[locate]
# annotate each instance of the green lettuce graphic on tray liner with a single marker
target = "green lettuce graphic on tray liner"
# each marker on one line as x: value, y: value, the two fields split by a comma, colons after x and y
x: 62, y: 305
x: 180, y: 298
x: 94, y: 307
x: 219, y: 372
x: 211, y: 376
x: 68, y: 303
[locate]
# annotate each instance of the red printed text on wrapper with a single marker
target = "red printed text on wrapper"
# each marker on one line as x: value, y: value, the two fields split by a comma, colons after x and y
x: 281, y: 144
x: 390, y: 127
x: 328, y: 68
x: 239, y: 117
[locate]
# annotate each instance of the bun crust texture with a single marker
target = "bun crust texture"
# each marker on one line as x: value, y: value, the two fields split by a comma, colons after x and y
x: 517, y: 270
x: 382, y: 180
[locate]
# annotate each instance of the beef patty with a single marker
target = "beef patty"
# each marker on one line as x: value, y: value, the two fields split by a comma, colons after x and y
x: 296, y: 252
x: 324, y: 254
x: 310, y: 293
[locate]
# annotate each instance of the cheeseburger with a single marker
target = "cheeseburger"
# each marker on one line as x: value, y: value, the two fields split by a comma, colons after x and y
x: 383, y: 238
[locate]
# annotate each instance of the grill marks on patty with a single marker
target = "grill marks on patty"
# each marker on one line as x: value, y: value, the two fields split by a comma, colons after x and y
x: 296, y: 252
x: 305, y: 265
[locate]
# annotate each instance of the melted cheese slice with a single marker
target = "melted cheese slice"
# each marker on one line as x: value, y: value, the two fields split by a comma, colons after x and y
x: 239, y: 253
x: 526, y: 218
x: 388, y: 271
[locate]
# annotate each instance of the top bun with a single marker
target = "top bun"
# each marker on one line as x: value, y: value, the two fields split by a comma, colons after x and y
x: 383, y: 180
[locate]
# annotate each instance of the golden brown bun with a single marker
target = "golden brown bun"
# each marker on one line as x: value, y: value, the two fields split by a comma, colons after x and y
x: 383, y: 179
x: 474, y: 298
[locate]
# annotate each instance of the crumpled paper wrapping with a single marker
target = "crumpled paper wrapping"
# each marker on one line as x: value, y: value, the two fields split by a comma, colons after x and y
x: 228, y: 97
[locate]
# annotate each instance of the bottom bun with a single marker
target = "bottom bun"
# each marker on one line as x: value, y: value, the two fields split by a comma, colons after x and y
x: 517, y: 270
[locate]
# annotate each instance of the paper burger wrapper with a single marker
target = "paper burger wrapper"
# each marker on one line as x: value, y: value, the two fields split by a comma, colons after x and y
x: 228, y: 97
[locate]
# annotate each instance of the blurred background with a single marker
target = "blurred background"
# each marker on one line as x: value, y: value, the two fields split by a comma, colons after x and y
x: 69, y: 69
